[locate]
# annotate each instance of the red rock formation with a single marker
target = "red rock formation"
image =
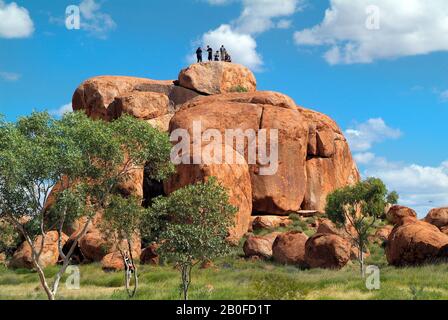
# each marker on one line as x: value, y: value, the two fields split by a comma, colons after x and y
x: 328, y: 251
x: 22, y: 258
x: 217, y: 77
x: 260, y: 246
x: 415, y: 242
x: 289, y: 248
x: 397, y: 215
x: 438, y: 217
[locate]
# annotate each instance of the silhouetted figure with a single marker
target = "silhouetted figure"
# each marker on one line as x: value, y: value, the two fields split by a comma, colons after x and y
x: 199, y: 54
x: 210, y: 53
x: 217, y: 56
x: 223, y: 53
x: 228, y: 58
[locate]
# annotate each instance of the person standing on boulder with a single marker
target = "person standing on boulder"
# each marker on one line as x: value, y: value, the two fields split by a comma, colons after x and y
x: 223, y: 53
x: 199, y: 54
x: 217, y: 56
x: 210, y: 53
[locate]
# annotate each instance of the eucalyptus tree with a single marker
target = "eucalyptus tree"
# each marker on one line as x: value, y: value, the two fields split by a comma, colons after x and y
x: 76, y: 160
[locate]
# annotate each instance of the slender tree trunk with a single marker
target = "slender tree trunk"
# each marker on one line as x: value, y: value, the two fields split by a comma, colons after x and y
x: 361, y: 258
x: 186, y: 280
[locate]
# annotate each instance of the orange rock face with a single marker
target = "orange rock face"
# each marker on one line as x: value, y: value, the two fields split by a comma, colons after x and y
x: 438, y: 217
x: 149, y: 255
x: 414, y: 243
x: 217, y: 77
x: 397, y: 215
x: 107, y: 97
x: 270, y: 222
x: 289, y: 248
x: 285, y: 189
x: 22, y: 258
x: 112, y: 262
x: 329, y: 164
x: 327, y: 251
x: 313, y: 156
x: 260, y: 246
x: 235, y: 177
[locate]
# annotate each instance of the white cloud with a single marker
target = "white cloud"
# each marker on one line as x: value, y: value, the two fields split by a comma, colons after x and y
x: 444, y: 95
x: 420, y: 187
x: 364, y: 135
x: 94, y: 21
x: 10, y: 76
x: 242, y: 47
x: 66, y: 108
x: 258, y: 15
x: 406, y: 28
x: 284, y: 24
x: 238, y: 36
x: 15, y: 21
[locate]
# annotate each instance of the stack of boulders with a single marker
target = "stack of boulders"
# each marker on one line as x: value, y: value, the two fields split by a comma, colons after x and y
x: 314, y: 158
x: 415, y: 242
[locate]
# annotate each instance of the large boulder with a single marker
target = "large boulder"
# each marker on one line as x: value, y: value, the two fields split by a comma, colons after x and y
x: 289, y: 248
x: 232, y: 176
x: 329, y: 164
x: 270, y: 222
x: 22, y: 258
x: 275, y: 192
x: 95, y: 245
x: 326, y: 226
x: 309, y: 166
x: 382, y: 234
x: 107, y: 97
x: 414, y: 243
x: 217, y: 77
x: 112, y: 262
x: 397, y: 214
x: 327, y: 251
x: 149, y: 255
x: 438, y: 217
x: 260, y: 246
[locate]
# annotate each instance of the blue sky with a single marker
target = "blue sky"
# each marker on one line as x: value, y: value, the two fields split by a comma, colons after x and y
x: 385, y: 85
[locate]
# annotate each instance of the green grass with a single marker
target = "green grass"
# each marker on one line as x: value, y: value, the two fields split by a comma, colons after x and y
x: 237, y: 278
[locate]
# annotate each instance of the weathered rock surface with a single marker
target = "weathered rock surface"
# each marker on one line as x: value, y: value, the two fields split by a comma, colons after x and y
x: 260, y: 246
x: 397, y: 214
x: 22, y: 258
x: 112, y: 262
x: 107, y: 97
x: 329, y: 164
x: 270, y: 222
x: 438, y: 217
x: 309, y: 167
x: 414, y: 243
x: 95, y: 245
x: 217, y: 77
x: 235, y: 177
x: 327, y: 251
x: 382, y: 234
x: 289, y: 248
x: 149, y: 255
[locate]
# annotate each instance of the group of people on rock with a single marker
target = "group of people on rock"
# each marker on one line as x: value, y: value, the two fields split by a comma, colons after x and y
x: 220, y: 55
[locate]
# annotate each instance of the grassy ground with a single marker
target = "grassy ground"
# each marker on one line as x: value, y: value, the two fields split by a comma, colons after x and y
x: 237, y: 278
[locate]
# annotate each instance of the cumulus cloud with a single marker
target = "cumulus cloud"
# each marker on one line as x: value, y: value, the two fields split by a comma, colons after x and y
x: 444, y: 95
x: 405, y: 28
x: 66, y: 108
x: 94, y: 21
x: 242, y: 47
x: 420, y: 187
x: 15, y: 21
x: 10, y: 76
x: 364, y: 135
x: 239, y: 35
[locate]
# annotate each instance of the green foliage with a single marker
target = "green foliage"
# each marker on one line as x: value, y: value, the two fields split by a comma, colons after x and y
x: 239, y: 89
x: 192, y: 226
x: 87, y: 158
x: 392, y: 197
x: 9, y: 238
x: 193, y: 222
x: 360, y: 206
